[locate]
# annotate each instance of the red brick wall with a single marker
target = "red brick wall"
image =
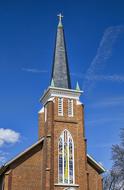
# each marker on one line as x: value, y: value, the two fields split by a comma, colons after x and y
x: 41, y: 124
x: 95, y: 179
x: 48, y: 150
x: 26, y: 172
x: 53, y: 128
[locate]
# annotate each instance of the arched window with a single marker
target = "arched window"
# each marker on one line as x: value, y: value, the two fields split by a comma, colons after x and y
x: 66, y: 158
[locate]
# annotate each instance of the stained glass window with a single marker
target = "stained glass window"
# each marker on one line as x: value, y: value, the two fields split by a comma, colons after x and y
x: 66, y: 158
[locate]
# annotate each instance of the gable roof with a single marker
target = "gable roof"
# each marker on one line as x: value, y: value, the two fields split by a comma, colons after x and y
x: 95, y: 164
x: 6, y: 165
x: 91, y: 160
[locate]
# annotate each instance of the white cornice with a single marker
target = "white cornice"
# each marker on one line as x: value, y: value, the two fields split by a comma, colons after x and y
x: 60, y: 92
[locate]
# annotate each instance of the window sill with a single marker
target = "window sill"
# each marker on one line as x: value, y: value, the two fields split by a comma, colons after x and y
x: 66, y: 185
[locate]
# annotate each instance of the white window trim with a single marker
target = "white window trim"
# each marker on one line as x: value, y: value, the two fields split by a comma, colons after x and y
x: 70, y: 102
x: 62, y: 134
x: 60, y: 113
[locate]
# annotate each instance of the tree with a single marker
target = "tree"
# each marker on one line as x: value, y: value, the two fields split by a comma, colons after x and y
x: 114, y: 179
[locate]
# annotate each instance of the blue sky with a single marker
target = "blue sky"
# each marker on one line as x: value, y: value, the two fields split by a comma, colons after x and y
x: 94, y: 32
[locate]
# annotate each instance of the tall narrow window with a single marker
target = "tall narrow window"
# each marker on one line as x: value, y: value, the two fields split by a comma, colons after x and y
x: 60, y: 106
x: 70, y: 107
x: 66, y: 158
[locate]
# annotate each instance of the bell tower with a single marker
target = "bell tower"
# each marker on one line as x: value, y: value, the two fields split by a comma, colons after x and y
x: 61, y: 122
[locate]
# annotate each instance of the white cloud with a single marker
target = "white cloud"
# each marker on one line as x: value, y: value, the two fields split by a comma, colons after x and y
x: 112, y: 78
x: 104, y: 52
x: 1, y: 142
x: 8, y: 136
x: 32, y: 70
x: 109, y: 102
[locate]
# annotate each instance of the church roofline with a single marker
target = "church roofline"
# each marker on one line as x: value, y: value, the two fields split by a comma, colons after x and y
x: 62, y: 92
x: 98, y: 166
x: 4, y: 167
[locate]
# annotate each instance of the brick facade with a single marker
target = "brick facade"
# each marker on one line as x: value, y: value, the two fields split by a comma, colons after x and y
x: 54, y: 126
x: 25, y: 173
x: 37, y: 169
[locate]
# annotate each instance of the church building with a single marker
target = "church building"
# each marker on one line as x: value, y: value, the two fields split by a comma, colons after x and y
x: 59, y: 159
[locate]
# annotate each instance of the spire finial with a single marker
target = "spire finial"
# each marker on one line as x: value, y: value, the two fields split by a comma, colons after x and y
x: 77, y: 87
x: 52, y: 83
x: 60, y: 19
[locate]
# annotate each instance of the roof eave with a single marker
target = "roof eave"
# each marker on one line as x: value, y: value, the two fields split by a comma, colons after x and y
x: 98, y: 166
x: 6, y: 165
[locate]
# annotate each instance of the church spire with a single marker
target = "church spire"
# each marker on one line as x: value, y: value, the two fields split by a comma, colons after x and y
x: 60, y: 69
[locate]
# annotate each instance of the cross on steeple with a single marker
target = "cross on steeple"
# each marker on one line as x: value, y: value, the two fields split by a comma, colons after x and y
x: 60, y: 19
